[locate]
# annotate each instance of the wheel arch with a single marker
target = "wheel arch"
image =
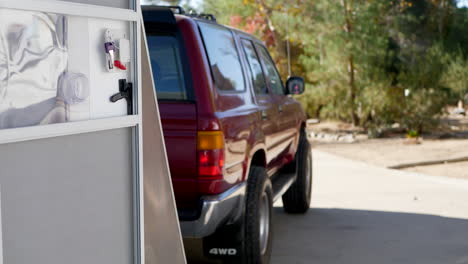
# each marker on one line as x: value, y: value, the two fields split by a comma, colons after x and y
x: 257, y: 157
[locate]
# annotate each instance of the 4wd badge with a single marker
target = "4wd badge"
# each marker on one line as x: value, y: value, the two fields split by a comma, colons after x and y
x: 223, y: 251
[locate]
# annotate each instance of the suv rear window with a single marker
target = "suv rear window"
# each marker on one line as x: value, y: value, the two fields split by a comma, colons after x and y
x: 223, y: 56
x: 167, y: 68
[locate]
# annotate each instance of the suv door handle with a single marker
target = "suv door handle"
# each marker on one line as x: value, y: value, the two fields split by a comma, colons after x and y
x: 264, y: 115
x: 280, y: 108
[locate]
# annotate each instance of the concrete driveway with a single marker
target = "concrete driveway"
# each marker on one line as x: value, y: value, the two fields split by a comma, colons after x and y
x: 362, y: 214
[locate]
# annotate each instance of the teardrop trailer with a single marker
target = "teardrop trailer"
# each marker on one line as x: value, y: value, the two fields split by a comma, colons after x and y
x: 77, y: 101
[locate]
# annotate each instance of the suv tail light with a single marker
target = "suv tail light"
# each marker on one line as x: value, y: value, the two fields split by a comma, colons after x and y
x: 210, y: 145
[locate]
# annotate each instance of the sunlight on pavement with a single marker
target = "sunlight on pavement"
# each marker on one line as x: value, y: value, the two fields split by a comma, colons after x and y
x: 365, y: 214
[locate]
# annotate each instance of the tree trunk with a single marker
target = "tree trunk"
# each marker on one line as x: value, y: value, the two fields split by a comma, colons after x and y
x: 351, y: 68
x: 318, y: 111
x: 352, y: 92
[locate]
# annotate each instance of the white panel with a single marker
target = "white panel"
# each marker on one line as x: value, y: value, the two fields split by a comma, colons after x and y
x: 78, y: 62
x: 87, y: 54
x: 103, y: 83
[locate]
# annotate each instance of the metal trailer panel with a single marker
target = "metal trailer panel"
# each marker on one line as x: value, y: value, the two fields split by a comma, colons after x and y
x: 68, y: 199
x: 163, y: 243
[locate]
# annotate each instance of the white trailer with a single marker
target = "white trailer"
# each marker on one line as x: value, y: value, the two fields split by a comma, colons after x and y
x: 83, y: 170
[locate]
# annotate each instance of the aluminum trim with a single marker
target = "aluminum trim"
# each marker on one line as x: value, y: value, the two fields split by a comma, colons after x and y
x: 72, y: 9
x: 64, y: 129
x: 135, y: 38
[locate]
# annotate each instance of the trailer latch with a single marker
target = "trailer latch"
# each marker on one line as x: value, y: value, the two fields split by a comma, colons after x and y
x: 126, y: 92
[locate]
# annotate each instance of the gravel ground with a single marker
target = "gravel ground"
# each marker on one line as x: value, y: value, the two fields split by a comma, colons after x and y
x: 391, y: 152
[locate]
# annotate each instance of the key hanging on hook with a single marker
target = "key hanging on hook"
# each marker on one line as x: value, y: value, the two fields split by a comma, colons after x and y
x: 110, y: 55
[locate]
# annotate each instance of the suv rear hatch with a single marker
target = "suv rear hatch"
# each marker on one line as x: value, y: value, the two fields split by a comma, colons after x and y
x: 177, y: 106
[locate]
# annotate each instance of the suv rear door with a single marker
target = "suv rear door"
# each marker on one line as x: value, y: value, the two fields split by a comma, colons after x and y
x: 286, y: 120
x: 264, y: 98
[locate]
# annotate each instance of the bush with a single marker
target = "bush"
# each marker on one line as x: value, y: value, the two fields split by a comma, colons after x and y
x: 423, y: 109
x: 427, y: 96
x: 455, y: 77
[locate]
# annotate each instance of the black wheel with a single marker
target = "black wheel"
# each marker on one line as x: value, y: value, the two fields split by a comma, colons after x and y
x: 258, y: 224
x: 297, y: 199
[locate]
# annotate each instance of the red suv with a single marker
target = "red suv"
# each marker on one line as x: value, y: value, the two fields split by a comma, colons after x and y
x: 235, y: 136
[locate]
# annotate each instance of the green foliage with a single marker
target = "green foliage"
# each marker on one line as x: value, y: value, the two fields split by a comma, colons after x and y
x: 427, y: 95
x: 360, y: 56
x: 455, y: 77
x: 412, y: 134
x: 418, y: 106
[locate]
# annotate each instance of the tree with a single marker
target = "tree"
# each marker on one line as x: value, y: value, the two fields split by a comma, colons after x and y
x: 359, y: 56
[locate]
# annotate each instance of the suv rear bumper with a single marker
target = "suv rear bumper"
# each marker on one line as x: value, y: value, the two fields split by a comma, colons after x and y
x: 217, y: 210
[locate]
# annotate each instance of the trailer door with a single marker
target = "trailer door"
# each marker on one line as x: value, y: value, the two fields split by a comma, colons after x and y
x: 71, y: 150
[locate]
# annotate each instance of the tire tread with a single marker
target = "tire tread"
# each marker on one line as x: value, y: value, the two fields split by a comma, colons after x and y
x: 295, y: 199
x: 257, y: 179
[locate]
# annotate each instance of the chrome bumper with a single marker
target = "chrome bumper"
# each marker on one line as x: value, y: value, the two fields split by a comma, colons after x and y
x: 217, y: 210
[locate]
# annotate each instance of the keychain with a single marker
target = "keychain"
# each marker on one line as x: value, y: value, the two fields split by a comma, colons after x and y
x: 110, y: 55
x: 110, y: 48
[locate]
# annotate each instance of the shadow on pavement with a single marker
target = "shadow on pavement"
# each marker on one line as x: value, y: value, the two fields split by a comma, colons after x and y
x: 339, y: 236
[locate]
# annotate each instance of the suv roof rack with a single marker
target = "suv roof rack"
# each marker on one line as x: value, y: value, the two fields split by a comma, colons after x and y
x: 181, y: 11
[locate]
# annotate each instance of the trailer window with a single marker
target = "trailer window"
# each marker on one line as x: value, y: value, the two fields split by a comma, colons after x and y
x: 36, y: 86
x: 167, y: 67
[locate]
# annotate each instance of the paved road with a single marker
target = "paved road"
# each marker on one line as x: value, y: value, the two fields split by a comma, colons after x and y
x: 369, y: 215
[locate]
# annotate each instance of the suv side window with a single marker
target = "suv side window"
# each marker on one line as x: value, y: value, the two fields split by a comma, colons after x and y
x: 258, y: 78
x: 273, y: 78
x: 167, y: 68
x: 224, y: 57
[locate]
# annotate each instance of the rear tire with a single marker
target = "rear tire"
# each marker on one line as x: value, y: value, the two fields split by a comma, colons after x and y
x: 258, y: 218
x: 297, y: 199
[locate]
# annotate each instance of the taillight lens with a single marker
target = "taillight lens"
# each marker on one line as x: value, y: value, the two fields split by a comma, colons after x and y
x: 210, y: 155
x: 211, y: 163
